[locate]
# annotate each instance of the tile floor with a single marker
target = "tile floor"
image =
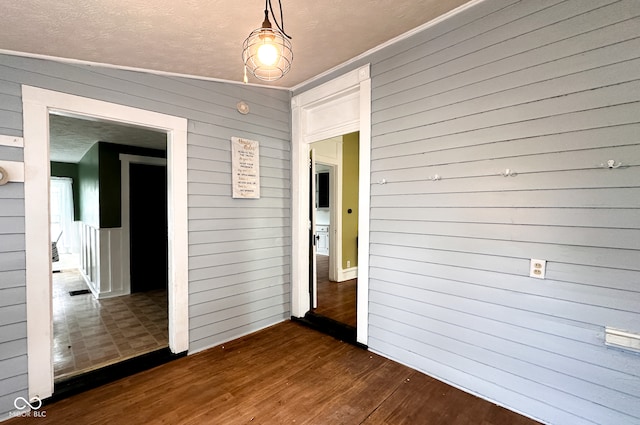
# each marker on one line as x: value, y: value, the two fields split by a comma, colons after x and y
x: 91, y: 333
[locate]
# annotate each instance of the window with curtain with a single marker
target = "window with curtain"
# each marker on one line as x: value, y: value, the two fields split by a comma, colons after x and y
x: 63, y: 227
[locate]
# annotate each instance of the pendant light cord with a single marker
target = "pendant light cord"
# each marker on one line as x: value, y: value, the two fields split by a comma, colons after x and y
x: 281, y: 28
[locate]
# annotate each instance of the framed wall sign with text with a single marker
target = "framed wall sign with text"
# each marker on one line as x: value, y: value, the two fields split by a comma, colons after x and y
x: 245, y: 159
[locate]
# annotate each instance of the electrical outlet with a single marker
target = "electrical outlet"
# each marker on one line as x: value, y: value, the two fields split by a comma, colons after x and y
x: 348, y: 264
x: 537, y: 268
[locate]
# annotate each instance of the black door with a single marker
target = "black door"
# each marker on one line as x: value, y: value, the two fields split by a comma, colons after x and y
x: 148, y: 227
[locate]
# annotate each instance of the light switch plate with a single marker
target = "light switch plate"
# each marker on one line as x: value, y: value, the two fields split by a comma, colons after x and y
x: 538, y: 268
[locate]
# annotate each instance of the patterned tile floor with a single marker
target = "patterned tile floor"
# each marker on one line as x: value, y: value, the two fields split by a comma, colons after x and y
x: 90, y: 333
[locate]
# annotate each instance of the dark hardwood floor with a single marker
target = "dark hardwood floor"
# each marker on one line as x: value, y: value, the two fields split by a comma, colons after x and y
x: 336, y: 300
x: 285, y: 374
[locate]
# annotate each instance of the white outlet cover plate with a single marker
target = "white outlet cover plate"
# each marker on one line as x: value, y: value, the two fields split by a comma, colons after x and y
x: 537, y: 268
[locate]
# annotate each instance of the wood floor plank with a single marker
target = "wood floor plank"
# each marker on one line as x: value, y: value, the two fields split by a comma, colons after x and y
x: 363, y: 395
x: 336, y: 300
x: 285, y: 374
x: 424, y: 400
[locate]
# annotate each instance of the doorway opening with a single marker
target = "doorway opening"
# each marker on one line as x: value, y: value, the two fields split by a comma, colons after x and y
x: 334, y: 214
x: 148, y: 227
x: 338, y: 107
x: 38, y: 106
x: 107, y: 308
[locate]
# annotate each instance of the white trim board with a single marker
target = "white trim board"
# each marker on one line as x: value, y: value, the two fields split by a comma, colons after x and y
x: 37, y: 105
x: 13, y: 141
x: 14, y: 169
x: 338, y: 107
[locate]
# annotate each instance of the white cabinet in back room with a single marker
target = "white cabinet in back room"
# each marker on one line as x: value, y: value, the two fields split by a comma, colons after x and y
x: 322, y: 231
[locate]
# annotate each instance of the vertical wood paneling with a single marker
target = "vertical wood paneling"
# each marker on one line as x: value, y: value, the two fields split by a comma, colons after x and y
x: 550, y: 90
x: 217, y: 272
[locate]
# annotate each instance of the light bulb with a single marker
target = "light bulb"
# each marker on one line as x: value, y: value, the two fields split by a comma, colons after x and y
x: 268, y: 54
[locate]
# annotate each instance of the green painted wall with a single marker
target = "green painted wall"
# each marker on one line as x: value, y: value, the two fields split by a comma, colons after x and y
x: 99, y: 178
x: 89, y: 186
x: 110, y: 179
x: 110, y: 186
x: 350, y: 171
x: 65, y: 169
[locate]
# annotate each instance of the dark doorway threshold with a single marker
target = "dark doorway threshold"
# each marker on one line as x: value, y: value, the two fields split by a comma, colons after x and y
x: 331, y: 327
x: 96, y: 378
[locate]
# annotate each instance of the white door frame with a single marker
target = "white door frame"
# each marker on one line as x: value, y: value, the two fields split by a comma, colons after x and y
x: 37, y: 104
x: 338, y: 107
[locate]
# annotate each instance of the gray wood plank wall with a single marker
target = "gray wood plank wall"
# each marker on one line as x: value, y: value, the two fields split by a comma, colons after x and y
x: 239, y: 250
x: 549, y: 89
x: 13, y: 313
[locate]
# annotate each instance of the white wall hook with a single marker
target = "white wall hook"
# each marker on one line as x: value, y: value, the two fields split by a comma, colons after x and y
x: 435, y: 178
x: 508, y: 173
x: 611, y: 164
x: 383, y: 181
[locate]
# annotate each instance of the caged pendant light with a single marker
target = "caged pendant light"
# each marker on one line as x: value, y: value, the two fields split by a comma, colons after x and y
x: 267, y: 52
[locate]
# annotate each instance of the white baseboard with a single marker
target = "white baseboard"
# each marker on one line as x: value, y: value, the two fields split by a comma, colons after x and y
x: 347, y: 274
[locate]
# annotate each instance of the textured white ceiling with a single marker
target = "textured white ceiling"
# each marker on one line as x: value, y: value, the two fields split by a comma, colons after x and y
x: 71, y: 138
x: 204, y: 37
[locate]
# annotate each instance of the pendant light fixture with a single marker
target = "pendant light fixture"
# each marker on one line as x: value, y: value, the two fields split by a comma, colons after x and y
x: 267, y: 52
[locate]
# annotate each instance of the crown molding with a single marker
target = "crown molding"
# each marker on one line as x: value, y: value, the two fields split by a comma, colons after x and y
x: 135, y: 69
x: 347, y: 63
x: 379, y: 47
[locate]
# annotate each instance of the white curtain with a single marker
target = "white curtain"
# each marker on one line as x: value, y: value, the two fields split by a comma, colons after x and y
x: 62, y: 223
